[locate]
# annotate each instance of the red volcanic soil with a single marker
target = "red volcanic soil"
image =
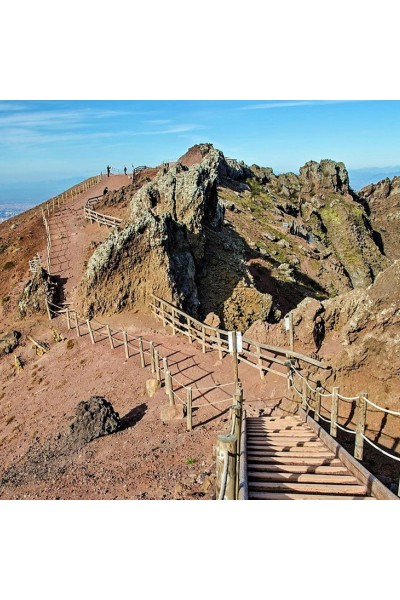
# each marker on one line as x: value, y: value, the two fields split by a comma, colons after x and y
x: 147, y: 458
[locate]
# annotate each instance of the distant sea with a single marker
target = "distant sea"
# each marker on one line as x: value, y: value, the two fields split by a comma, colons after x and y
x: 19, y: 196
x: 22, y: 195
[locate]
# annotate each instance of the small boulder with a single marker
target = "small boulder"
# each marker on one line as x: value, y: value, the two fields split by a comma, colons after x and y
x: 170, y: 413
x: 9, y: 341
x: 152, y: 386
x: 94, y: 418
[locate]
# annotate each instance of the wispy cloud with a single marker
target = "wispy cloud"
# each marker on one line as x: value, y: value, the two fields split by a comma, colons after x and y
x: 169, y: 130
x: 158, y: 121
x: 289, y: 104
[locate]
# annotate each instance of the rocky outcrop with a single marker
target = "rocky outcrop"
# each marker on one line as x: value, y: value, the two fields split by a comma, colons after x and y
x: 41, y: 288
x: 174, y: 246
x: 358, y: 333
x: 383, y: 199
x: 319, y: 206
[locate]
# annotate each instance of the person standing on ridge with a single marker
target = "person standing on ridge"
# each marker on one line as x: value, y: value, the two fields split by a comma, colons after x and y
x: 108, y: 171
x: 125, y: 170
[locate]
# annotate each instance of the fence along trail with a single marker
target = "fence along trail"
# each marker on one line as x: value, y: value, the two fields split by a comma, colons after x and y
x: 246, y: 435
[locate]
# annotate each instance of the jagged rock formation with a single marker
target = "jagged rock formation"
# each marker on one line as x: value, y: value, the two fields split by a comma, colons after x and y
x: 383, y: 199
x: 40, y: 288
x: 321, y: 201
x: 358, y: 333
x: 175, y: 245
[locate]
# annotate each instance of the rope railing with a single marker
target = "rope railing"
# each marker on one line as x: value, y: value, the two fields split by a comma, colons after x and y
x: 362, y: 403
x: 158, y: 364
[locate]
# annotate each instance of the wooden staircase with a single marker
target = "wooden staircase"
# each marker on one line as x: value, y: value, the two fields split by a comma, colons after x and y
x: 287, y: 460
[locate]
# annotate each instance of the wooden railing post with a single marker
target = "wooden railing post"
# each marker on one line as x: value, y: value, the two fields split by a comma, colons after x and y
x: 48, y: 310
x: 189, y: 409
x: 304, y: 396
x: 157, y: 365
x: 90, y: 330
x: 203, y: 339
x: 169, y: 390
x: 173, y: 321
x: 291, y: 332
x: 220, y: 354
x: 142, y: 359
x: 78, y: 333
x: 334, y: 411
x: 165, y: 367
x: 226, y: 450
x: 189, y: 329
x: 125, y: 337
x: 68, y: 318
x: 152, y: 361
x: 110, y: 337
x: 360, y: 428
x: 317, y: 409
x: 259, y: 361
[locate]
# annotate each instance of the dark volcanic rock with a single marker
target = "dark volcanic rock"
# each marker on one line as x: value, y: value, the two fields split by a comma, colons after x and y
x: 93, y: 418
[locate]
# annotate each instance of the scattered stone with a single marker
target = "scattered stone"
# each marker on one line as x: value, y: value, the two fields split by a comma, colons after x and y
x: 9, y: 341
x: 283, y: 244
x: 270, y: 237
x: 152, y: 386
x: 171, y: 413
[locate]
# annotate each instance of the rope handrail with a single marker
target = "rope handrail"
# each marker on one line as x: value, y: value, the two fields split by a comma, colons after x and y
x: 380, y: 449
x: 386, y: 410
x: 344, y: 429
x: 211, y: 402
x: 347, y: 397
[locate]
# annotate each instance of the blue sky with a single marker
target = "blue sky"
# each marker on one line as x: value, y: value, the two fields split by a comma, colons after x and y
x: 48, y: 144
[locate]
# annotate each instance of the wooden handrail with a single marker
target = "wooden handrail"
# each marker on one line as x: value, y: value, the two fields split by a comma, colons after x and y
x: 221, y: 340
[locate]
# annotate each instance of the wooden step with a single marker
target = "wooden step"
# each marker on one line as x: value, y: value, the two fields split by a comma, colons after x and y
x: 329, y: 470
x: 296, y: 449
x: 289, y: 496
x: 289, y: 459
x: 286, y: 442
x: 301, y: 478
x: 283, y: 436
x: 307, y: 488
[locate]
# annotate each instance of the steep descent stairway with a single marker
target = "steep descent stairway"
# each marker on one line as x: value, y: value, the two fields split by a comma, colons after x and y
x: 286, y: 460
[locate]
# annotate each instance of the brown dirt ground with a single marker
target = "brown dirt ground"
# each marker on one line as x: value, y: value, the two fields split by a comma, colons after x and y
x: 148, y: 458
